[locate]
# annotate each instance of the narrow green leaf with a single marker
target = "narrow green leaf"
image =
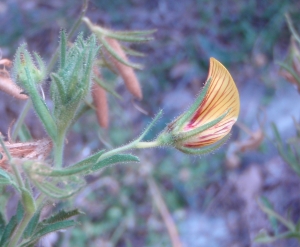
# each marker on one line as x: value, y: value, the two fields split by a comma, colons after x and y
x: 4, y: 181
x: 290, y: 70
x: 32, y: 225
x: 10, y: 227
x: 50, y: 228
x: 116, y: 55
x: 4, y: 174
x: 272, y: 213
x: 128, y: 38
x: 117, y: 158
x: 292, y: 28
x: 107, y: 87
x: 149, y: 127
x: 272, y: 219
x: 132, y: 52
x: 40, y: 63
x: 75, y: 169
x: 2, y: 224
x: 59, y: 85
x: 135, y: 32
x: 61, y: 216
x: 55, y: 192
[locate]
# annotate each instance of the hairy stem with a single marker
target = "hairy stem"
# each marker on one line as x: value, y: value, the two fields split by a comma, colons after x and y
x: 20, y: 119
x: 20, y: 230
x: 59, y: 149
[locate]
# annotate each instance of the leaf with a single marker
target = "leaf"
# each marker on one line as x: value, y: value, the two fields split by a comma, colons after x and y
x: 128, y: 37
x: 59, y: 82
x: 4, y: 174
x: 75, y: 169
x: 117, y: 56
x: 48, y: 229
x: 107, y: 87
x: 63, y: 49
x: 10, y: 227
x: 61, y: 216
x: 263, y: 238
x: 117, y: 158
x: 2, y: 224
x: 56, y: 192
x: 272, y: 219
x: 32, y: 225
x: 4, y: 181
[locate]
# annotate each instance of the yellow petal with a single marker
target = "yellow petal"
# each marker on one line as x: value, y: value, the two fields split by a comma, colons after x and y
x: 221, y: 96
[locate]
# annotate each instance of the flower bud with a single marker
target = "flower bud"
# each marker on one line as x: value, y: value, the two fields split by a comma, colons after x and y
x: 24, y: 65
x: 206, y: 124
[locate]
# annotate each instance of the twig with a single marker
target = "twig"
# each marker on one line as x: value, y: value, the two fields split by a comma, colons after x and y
x: 164, y: 212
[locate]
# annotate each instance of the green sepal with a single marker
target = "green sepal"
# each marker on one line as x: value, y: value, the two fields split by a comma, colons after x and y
x: 41, y: 66
x: 204, y: 150
x: 182, y: 136
x: 181, y: 120
x: 117, y: 56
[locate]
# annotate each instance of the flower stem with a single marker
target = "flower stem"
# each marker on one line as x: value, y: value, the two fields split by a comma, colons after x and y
x: 147, y: 144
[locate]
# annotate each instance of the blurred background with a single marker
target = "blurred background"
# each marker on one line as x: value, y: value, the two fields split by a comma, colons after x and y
x: 212, y: 199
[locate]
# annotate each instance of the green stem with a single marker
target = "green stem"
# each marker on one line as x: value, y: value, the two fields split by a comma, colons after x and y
x: 131, y: 145
x: 20, y: 230
x: 20, y: 120
x: 147, y: 144
x: 59, y: 149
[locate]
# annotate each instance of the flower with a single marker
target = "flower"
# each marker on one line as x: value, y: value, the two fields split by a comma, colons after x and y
x: 207, y: 123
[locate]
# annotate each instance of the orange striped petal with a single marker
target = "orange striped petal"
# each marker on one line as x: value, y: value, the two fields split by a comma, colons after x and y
x: 222, y: 95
